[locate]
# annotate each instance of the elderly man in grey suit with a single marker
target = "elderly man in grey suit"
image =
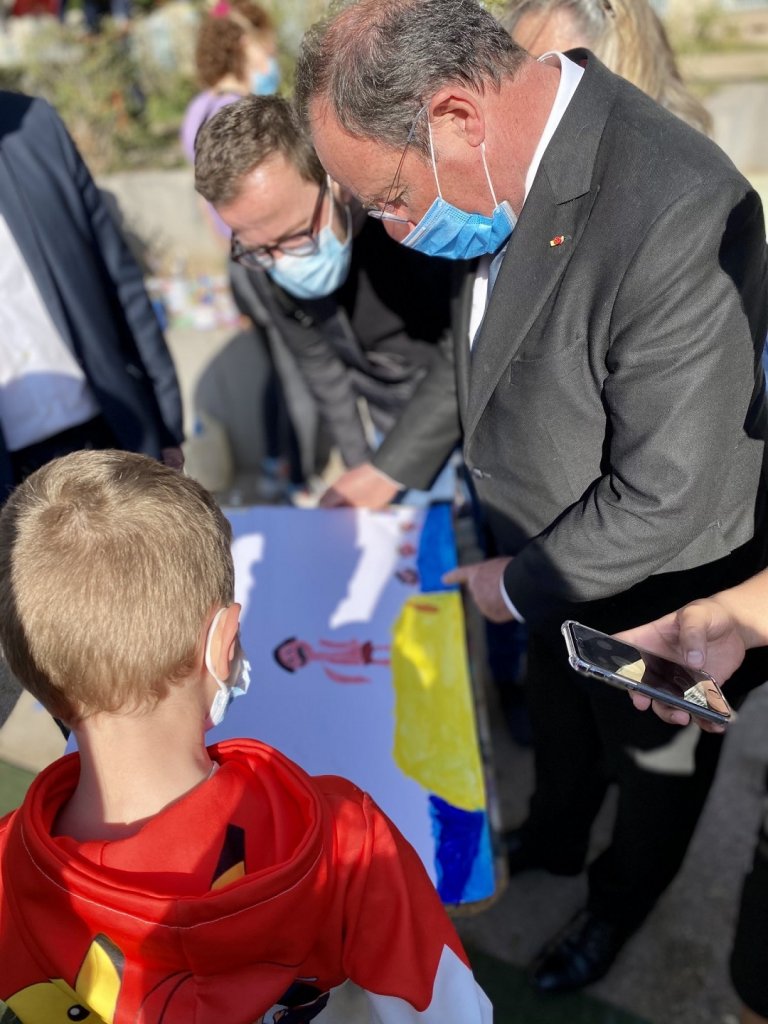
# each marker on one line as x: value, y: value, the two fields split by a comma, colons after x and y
x: 610, y: 313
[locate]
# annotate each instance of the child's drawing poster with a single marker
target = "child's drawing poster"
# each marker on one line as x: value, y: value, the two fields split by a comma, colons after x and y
x: 359, y: 668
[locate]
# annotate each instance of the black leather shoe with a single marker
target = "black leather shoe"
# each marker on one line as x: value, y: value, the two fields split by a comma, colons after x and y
x: 581, y: 953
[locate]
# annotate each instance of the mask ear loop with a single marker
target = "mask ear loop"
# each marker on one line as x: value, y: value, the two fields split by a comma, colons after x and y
x: 349, y: 225
x: 488, y: 174
x: 332, y: 198
x: 432, y: 154
x: 347, y: 211
x: 482, y: 154
x: 208, y: 642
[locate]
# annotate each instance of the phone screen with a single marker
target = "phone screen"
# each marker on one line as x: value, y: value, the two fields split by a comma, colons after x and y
x: 648, y: 670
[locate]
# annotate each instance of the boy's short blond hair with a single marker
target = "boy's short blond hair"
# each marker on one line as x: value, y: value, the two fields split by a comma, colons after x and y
x: 110, y: 565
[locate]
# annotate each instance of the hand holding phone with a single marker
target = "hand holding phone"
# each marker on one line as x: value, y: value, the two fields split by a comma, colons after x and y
x: 632, y: 668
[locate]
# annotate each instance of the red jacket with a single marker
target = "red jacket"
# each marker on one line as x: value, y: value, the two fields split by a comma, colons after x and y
x: 252, y: 898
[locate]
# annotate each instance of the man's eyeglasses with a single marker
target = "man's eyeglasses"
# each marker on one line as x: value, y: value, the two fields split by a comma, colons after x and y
x: 303, y: 243
x: 383, y: 212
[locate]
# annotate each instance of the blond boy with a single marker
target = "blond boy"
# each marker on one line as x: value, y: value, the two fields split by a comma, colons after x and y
x: 149, y: 877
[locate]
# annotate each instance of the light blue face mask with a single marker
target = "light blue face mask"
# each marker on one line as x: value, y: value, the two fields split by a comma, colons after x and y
x: 227, y: 689
x: 265, y: 83
x: 454, y: 234
x: 322, y: 272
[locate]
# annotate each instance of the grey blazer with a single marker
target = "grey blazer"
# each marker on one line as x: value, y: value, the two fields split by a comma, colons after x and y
x: 613, y: 405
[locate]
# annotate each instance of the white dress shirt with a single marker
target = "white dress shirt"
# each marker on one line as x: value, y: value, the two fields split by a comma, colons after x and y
x: 488, y: 266
x: 43, y: 390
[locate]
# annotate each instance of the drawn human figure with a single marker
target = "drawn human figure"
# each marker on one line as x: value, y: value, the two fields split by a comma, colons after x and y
x: 409, y: 576
x: 293, y: 654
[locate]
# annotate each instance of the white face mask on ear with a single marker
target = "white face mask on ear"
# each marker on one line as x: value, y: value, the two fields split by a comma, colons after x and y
x: 236, y: 685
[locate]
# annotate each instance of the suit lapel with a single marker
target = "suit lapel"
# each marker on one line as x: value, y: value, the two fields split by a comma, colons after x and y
x: 461, y: 313
x: 549, y: 229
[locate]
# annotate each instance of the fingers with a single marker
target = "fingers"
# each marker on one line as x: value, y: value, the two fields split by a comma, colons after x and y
x: 673, y: 716
x: 656, y: 636
x: 694, y: 622
x: 173, y: 458
x: 707, y: 726
x: 332, y: 499
x: 676, y: 716
x: 458, y: 576
x: 641, y: 702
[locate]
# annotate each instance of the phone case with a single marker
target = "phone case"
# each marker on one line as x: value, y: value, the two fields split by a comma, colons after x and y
x: 585, y: 668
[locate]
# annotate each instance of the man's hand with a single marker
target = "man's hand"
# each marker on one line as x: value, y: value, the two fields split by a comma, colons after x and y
x: 361, y: 487
x: 173, y: 457
x: 703, y: 635
x: 483, y: 581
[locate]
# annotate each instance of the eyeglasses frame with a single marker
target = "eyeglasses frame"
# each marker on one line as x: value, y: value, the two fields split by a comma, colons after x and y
x: 261, y: 257
x: 382, y: 214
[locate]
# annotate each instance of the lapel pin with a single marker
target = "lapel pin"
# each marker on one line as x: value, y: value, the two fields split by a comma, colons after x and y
x: 557, y: 240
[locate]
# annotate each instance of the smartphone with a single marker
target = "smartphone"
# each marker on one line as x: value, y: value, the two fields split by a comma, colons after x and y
x: 621, y: 664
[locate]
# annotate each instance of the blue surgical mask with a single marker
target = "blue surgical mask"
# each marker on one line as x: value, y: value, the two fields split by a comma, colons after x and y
x: 235, y: 686
x: 265, y: 83
x: 454, y: 234
x: 321, y: 273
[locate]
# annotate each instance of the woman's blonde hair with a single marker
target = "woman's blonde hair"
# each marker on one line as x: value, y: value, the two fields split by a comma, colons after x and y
x: 110, y: 566
x: 630, y: 39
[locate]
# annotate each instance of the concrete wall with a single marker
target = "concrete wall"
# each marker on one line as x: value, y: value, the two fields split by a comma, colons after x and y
x: 164, y: 221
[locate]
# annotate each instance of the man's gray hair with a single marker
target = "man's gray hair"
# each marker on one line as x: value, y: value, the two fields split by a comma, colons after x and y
x: 377, y: 62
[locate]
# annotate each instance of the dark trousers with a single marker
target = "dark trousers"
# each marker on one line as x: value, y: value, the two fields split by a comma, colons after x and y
x: 587, y: 735
x: 95, y: 434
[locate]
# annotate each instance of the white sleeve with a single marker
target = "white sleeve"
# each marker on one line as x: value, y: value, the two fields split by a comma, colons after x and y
x: 455, y: 997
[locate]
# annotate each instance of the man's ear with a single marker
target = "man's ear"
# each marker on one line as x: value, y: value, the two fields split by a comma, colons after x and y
x: 457, y: 113
x: 223, y: 640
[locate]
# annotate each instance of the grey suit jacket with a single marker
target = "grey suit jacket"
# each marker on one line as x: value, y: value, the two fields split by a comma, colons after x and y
x: 613, y: 405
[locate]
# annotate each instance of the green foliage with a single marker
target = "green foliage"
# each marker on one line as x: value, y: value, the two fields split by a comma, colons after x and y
x: 123, y: 107
x: 121, y: 113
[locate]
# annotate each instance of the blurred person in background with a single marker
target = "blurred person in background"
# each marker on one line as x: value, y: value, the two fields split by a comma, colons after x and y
x: 363, y: 318
x: 628, y: 37
x: 236, y: 56
x: 94, y: 12
x: 83, y: 361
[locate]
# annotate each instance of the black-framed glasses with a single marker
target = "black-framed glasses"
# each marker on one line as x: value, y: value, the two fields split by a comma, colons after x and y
x: 383, y: 213
x: 303, y: 243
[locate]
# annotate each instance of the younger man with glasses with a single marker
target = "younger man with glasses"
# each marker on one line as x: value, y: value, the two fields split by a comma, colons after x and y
x: 363, y: 317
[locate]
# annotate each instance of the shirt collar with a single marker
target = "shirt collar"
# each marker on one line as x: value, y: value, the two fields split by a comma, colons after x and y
x: 570, y: 76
